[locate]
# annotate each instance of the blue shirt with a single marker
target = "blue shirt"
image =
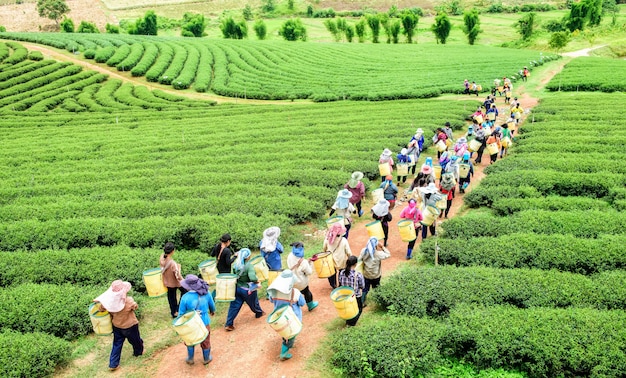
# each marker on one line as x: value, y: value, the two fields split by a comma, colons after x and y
x: 273, y: 258
x: 294, y: 306
x: 192, y: 301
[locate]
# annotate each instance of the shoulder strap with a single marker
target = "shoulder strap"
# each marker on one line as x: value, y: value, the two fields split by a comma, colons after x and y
x: 220, y: 254
x: 297, y: 265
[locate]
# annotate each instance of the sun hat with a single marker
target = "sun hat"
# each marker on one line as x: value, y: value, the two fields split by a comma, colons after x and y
x: 270, y: 239
x: 419, y: 131
x: 403, y: 151
x: 381, y: 208
x: 355, y: 178
x: 426, y: 169
x: 193, y: 283
x: 389, y: 178
x: 343, y: 199
x: 387, y: 152
x: 461, y: 140
x: 282, y: 284
x: 114, y: 299
x: 430, y: 189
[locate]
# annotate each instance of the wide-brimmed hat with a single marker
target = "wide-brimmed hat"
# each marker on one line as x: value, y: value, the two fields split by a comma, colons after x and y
x: 381, y: 208
x: 282, y: 284
x: 403, y: 151
x: 270, y: 239
x: 387, y: 152
x: 419, y: 131
x: 461, y: 140
x: 426, y: 169
x: 355, y: 178
x: 114, y: 299
x: 344, y: 193
x: 194, y: 283
x: 430, y: 189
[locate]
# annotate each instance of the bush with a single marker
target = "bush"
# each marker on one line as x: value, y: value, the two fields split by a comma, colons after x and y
x: 393, y: 347
x: 194, y: 24
x: 87, y: 27
x: 540, y: 342
x: 67, y: 25
x: 505, y: 206
x: 2, y: 29
x: 234, y: 30
x: 89, y: 54
x: 35, y: 55
x: 112, y: 29
x: 293, y: 30
x: 31, y: 354
x: 563, y: 252
x: 435, y: 291
x: 260, y: 29
x: 483, y: 196
x: 104, y: 54
x: 144, y: 26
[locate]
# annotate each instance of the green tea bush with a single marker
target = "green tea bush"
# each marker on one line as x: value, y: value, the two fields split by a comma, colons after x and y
x: 35, y: 55
x: 59, y: 310
x: 507, y: 206
x: 19, y: 53
x: 435, y: 291
x: 119, y: 56
x: 485, y: 196
x: 579, y: 223
x: 590, y: 74
x: 104, y: 54
x: 563, y: 252
x: 392, y: 347
x: 31, y: 354
x: 148, y: 58
x: 541, y: 342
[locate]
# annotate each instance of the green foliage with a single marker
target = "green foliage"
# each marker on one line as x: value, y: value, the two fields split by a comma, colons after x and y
x: 268, y: 6
x: 526, y: 25
x: 290, y: 5
x: 87, y: 27
x: 558, y: 40
x: 67, y: 25
x: 409, y: 24
x: 471, y: 26
x: 566, y: 253
x: 590, y: 74
x: 453, y: 7
x: 19, y: 53
x: 145, y: 26
x: 374, y: 23
x: 555, y: 26
x: 359, y: 28
x: 331, y: 26
x: 395, y: 28
x: 293, y: 30
x: 32, y: 354
x: 309, y: 10
x: 2, y: 29
x: 441, y: 28
x: 260, y: 29
x: 194, y: 24
x: 104, y: 54
x: 35, y: 55
x: 52, y: 9
x: 247, y: 13
x: 435, y: 291
x: 232, y: 29
x: 112, y: 29
x: 393, y: 347
x: 350, y: 32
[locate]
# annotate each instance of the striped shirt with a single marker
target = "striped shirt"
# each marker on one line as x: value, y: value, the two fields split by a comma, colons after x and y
x: 354, y: 280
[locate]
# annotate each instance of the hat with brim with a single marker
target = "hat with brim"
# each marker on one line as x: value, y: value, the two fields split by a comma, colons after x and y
x: 114, y: 299
x: 344, y: 193
x: 381, y: 208
x: 355, y: 178
x: 282, y: 284
x: 387, y: 152
x: 461, y: 140
x: 426, y: 169
x: 419, y: 131
x: 430, y: 189
x: 194, y: 283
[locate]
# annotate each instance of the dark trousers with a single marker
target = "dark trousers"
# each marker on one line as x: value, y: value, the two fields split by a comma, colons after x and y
x: 119, y: 336
x: 425, y: 230
x: 401, y: 178
x: 352, y: 322
x: 308, y: 296
x: 479, y: 153
x: 413, y: 168
x: 241, y: 296
x: 385, y: 231
x: 332, y: 280
x: 448, y: 206
x: 358, y: 207
x: 463, y: 181
x: 373, y: 284
x: 494, y: 157
x: 172, y: 299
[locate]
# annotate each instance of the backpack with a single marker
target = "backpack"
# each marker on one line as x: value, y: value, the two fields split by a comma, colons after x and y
x: 448, y: 181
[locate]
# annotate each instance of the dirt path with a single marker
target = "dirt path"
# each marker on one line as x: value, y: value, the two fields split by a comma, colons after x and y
x: 583, y: 52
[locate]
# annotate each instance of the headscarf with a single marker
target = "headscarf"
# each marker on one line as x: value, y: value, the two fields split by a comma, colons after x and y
x: 411, y: 209
x: 244, y: 253
x: 371, y: 246
x: 193, y: 283
x: 385, y: 156
x: 114, y: 299
x: 381, y: 208
x: 429, y: 161
x: 270, y: 239
x: 337, y: 229
x: 466, y: 157
x: 297, y: 249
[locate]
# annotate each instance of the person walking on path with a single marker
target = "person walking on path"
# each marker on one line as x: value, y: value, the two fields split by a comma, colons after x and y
x: 224, y: 255
x: 507, y: 138
x: 197, y: 298
x: 372, y: 255
x: 125, y: 324
x: 170, y: 271
x: 414, y: 214
x: 283, y: 293
x: 480, y: 137
x: 390, y: 191
x: 466, y: 171
x: 343, y: 208
x: 246, y: 278
x: 351, y: 278
x: 415, y: 147
x: 440, y: 135
x: 385, y: 157
x: 403, y: 158
x: 301, y: 269
x: 430, y: 196
x: 357, y: 188
x: 338, y: 245
x: 380, y: 212
x: 271, y: 248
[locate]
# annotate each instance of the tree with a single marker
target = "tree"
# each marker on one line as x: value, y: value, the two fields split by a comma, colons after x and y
x: 112, y: 29
x: 144, y: 26
x: 247, y: 12
x: 409, y: 24
x: 471, y: 25
x: 558, y: 40
x: 374, y: 23
x: 67, y: 25
x: 194, y: 24
x: 234, y: 30
x: 349, y: 33
x: 330, y: 25
x: 594, y: 14
x: 576, y: 18
x: 293, y: 30
x: 395, y: 28
x: 441, y: 28
x: 87, y: 27
x: 525, y: 25
x: 260, y: 29
x: 384, y: 22
x: 610, y: 6
x: 52, y: 9
x: 359, y: 28
x: 268, y: 6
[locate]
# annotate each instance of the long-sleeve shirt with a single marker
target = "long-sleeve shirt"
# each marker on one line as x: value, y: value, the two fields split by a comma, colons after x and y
x: 354, y: 280
x: 272, y: 258
x: 340, y: 250
x: 192, y: 301
x: 226, y: 258
x: 125, y: 318
x: 390, y: 190
x: 296, y: 302
x: 372, y: 265
x: 358, y: 192
x: 302, y: 272
x: 246, y: 275
x: 416, y: 216
x: 171, y: 272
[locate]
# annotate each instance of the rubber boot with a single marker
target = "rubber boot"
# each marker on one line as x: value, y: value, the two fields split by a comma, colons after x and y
x: 409, y: 253
x: 206, y: 354
x: 190, y: 351
x: 284, y: 353
x: 363, y: 298
x: 311, y: 305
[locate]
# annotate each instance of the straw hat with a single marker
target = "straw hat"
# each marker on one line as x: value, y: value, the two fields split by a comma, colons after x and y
x: 430, y: 189
x: 114, y: 299
x: 355, y: 178
x: 419, y: 132
x: 193, y: 283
